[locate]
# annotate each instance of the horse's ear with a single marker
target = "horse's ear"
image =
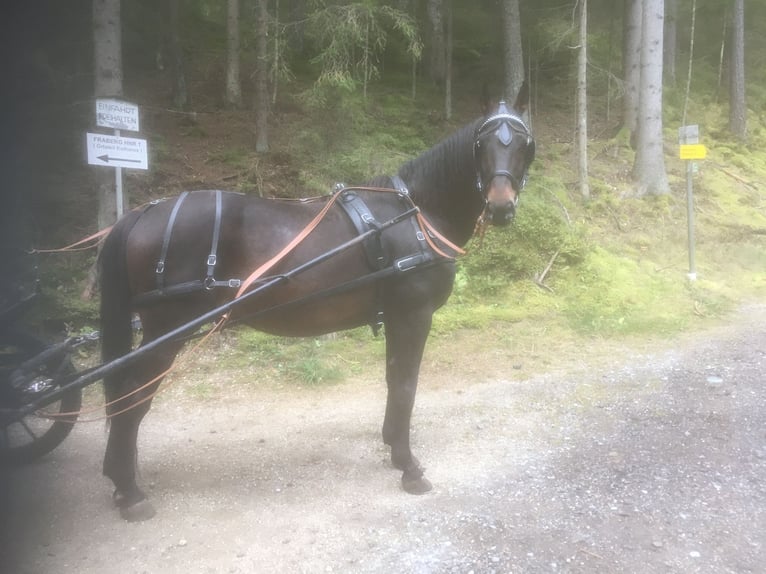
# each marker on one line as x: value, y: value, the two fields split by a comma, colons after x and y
x: 522, y: 99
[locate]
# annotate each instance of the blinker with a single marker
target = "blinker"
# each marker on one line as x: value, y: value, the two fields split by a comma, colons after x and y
x: 504, y: 134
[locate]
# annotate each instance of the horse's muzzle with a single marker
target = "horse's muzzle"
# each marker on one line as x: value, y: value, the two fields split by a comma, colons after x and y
x: 501, y: 215
x: 501, y: 201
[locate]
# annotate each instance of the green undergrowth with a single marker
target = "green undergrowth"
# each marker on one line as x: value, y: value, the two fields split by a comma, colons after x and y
x: 308, y: 362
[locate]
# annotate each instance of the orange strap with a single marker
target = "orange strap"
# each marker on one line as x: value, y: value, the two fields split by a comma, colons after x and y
x: 96, y: 238
x: 428, y: 229
x: 287, y: 248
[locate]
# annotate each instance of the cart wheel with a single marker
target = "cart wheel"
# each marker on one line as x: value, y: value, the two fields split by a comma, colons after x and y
x: 27, y: 439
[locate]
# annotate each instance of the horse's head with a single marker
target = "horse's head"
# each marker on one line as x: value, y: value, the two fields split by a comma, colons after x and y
x: 503, y: 150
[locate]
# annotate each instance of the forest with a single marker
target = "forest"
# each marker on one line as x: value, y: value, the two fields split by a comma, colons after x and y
x: 286, y: 97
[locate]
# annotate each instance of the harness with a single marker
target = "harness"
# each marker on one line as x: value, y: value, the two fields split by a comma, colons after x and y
x: 358, y: 213
x: 209, y: 282
x: 362, y: 218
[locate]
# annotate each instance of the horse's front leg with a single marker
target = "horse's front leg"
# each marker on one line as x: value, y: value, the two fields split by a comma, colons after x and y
x: 406, y: 335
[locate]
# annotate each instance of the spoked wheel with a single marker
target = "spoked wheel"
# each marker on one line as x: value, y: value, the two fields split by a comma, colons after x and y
x: 26, y: 439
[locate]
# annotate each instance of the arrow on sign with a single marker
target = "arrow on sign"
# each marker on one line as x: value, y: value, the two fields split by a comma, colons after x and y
x: 106, y: 158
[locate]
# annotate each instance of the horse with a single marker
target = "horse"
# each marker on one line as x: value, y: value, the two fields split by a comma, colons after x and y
x: 179, y: 258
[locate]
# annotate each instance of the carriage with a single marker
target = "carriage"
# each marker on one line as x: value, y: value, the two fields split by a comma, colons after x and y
x: 380, y: 254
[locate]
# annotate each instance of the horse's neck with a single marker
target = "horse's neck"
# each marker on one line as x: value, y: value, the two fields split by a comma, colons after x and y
x: 442, y: 182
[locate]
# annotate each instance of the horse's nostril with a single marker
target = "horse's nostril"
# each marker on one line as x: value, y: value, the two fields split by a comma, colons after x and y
x: 502, y: 214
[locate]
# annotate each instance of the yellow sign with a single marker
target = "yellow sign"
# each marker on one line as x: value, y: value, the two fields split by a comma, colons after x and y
x: 693, y: 151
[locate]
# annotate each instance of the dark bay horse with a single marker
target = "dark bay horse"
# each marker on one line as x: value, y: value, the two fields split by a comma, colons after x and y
x: 178, y: 259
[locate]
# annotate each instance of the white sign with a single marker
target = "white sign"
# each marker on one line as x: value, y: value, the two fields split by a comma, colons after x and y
x: 116, y: 114
x: 117, y: 151
x: 689, y: 134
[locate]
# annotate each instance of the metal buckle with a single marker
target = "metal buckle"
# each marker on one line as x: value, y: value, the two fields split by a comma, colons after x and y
x: 160, y: 269
x: 406, y: 263
x: 211, y: 259
x: 235, y: 283
x: 420, y: 235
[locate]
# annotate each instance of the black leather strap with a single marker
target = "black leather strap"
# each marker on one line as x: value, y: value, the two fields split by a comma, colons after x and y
x: 159, y: 270
x: 212, y: 258
x: 362, y: 218
x: 399, y: 185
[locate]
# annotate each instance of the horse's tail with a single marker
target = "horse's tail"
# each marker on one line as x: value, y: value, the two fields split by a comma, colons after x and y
x: 116, y: 314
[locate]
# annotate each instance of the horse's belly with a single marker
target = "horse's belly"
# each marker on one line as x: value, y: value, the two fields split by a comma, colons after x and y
x: 326, y: 315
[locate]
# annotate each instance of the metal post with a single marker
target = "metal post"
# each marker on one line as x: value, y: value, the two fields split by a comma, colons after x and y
x: 118, y: 184
x: 690, y: 149
x: 692, y: 275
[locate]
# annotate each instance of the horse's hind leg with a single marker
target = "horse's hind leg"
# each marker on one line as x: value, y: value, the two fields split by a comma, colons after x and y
x: 121, y: 458
x: 406, y: 335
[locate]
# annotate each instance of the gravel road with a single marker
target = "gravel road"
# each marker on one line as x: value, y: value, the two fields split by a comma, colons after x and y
x: 647, y: 458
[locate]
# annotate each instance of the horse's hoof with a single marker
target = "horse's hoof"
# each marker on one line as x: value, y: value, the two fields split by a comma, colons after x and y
x: 419, y: 485
x: 138, y: 512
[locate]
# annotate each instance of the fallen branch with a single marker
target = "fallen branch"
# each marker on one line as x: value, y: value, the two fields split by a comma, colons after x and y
x: 539, y: 278
x: 733, y: 175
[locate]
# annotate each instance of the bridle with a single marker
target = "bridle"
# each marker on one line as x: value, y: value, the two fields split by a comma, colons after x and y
x: 505, y: 125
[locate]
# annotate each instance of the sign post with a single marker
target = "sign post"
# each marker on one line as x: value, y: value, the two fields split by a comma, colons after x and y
x: 115, y: 151
x: 690, y: 149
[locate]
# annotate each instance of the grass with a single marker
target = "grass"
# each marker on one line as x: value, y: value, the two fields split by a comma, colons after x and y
x: 308, y: 362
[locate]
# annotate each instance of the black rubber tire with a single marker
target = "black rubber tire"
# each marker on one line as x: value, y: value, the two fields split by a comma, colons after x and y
x: 17, y: 445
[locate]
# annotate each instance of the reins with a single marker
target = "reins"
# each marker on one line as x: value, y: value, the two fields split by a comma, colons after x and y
x: 95, y: 238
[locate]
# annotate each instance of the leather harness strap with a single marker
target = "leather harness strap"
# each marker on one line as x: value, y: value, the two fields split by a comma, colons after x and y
x: 259, y: 272
x: 209, y: 282
x: 211, y: 259
x: 363, y: 220
x: 159, y: 270
x: 427, y: 231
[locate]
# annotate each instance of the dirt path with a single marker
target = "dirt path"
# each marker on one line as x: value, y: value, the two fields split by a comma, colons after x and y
x: 653, y: 461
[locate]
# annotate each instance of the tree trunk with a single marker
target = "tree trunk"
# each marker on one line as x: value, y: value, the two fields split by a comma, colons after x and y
x: 180, y: 93
x: 233, y: 86
x: 436, y: 20
x: 737, y: 105
x: 582, y: 102
x: 107, y: 52
x: 649, y: 166
x: 671, y: 41
x: 513, y: 57
x: 448, y: 65
x: 277, y: 55
x: 414, y: 68
x: 261, y: 78
x: 631, y: 64
x: 692, y: 31
x: 721, y: 55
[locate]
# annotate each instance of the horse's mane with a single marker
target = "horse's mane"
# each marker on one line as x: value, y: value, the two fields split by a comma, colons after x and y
x: 444, y: 169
